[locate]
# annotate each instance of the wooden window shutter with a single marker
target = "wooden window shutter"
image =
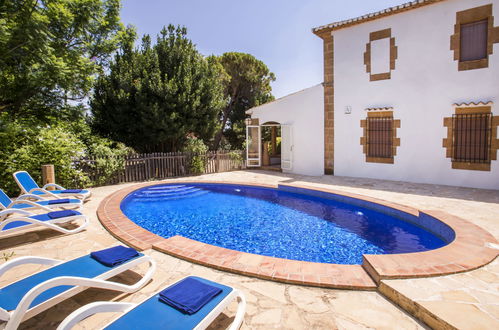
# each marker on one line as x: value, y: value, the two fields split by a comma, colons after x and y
x: 474, y: 41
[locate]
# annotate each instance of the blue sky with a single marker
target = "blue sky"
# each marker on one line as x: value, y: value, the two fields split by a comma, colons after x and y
x: 278, y: 32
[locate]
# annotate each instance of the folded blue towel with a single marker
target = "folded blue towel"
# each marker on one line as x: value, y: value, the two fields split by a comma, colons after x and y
x: 59, y: 201
x: 189, y: 295
x: 62, y: 214
x: 71, y: 191
x: 114, y: 256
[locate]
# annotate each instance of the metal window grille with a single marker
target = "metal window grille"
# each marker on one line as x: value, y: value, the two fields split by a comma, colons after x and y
x: 380, y: 137
x: 472, y: 137
x: 474, y: 41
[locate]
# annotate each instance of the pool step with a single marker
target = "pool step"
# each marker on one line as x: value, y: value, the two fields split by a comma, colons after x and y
x: 166, y: 192
x: 166, y: 187
x: 166, y: 197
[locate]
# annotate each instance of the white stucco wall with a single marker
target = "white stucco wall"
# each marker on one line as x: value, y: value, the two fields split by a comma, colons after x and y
x: 304, y: 111
x: 423, y: 87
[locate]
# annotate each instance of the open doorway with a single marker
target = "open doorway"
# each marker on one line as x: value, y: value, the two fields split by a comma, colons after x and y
x: 271, y: 146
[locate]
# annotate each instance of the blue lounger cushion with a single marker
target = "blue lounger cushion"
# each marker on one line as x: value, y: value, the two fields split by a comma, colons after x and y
x: 189, y: 295
x: 154, y: 314
x: 85, y: 266
x: 39, y: 217
x: 62, y: 214
x: 59, y: 201
x: 4, y: 199
x: 26, y: 180
x: 115, y: 255
x: 71, y: 191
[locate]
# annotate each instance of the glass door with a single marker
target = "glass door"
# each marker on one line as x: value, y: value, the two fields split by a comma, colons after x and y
x: 253, y: 146
x: 286, y: 147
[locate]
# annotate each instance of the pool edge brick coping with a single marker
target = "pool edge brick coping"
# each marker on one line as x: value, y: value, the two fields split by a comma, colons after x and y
x: 466, y: 252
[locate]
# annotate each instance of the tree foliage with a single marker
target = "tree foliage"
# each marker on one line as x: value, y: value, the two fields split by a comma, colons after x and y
x: 155, y: 95
x: 197, y: 154
x: 27, y: 145
x: 247, y: 86
x: 50, y: 51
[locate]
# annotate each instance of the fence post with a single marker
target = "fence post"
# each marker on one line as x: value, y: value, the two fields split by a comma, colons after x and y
x: 48, y: 175
x: 217, y: 162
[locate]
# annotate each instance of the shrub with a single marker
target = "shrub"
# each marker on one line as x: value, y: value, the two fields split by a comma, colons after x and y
x: 27, y: 145
x: 109, y: 159
x: 28, y: 148
x: 197, y: 150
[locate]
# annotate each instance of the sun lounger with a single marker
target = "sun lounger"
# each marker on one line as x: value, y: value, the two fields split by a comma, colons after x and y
x: 34, y: 294
x: 29, y: 186
x: 155, y: 314
x: 35, y: 202
x: 14, y: 220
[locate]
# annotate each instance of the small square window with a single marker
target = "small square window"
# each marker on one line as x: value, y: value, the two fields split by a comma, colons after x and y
x: 474, y: 41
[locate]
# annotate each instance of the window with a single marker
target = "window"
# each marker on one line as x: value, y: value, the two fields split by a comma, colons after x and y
x: 379, y: 140
x: 379, y: 137
x: 474, y: 41
x: 471, y: 138
x: 474, y: 37
x: 471, y: 141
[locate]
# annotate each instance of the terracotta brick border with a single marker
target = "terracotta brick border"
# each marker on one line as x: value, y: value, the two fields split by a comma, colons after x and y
x: 469, y: 249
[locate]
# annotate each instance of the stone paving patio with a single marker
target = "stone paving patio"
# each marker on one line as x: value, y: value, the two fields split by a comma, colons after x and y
x: 465, y: 301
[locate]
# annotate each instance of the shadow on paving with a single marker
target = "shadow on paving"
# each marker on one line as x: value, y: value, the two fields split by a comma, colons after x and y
x: 422, y: 189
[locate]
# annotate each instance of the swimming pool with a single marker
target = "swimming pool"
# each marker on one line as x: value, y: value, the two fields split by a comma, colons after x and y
x: 274, y: 222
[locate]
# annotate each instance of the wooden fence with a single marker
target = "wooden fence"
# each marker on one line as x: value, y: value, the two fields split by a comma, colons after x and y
x: 144, y: 167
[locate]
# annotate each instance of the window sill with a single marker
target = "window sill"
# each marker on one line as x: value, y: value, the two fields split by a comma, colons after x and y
x: 471, y: 166
x: 475, y: 64
x: 380, y: 160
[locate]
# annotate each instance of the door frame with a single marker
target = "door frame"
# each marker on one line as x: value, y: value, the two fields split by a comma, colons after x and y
x: 259, y: 159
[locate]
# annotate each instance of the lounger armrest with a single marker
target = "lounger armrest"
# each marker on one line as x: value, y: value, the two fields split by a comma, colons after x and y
x: 241, y: 309
x: 44, y: 191
x: 34, y: 204
x: 75, y: 281
x: 93, y: 308
x: 30, y: 196
x: 56, y: 186
x: 52, y: 225
x: 27, y: 260
x: 5, y: 213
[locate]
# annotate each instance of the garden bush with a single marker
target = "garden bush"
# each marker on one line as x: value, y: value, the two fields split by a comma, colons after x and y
x: 197, y: 150
x: 28, y: 148
x: 28, y: 145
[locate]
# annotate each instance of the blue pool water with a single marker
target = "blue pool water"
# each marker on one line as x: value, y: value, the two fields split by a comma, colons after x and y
x: 273, y: 222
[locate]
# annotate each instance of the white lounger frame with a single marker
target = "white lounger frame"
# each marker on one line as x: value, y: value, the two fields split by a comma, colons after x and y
x: 51, y: 224
x: 123, y: 307
x: 46, y: 192
x: 31, y: 199
x: 23, y: 312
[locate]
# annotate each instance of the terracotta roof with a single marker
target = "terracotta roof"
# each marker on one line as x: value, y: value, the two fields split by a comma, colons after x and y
x: 372, y: 16
x: 379, y: 109
x: 476, y: 104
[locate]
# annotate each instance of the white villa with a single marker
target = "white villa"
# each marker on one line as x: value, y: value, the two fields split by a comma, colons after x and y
x: 410, y: 93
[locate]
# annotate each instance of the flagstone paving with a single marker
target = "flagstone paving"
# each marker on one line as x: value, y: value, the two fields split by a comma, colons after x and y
x: 468, y: 300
